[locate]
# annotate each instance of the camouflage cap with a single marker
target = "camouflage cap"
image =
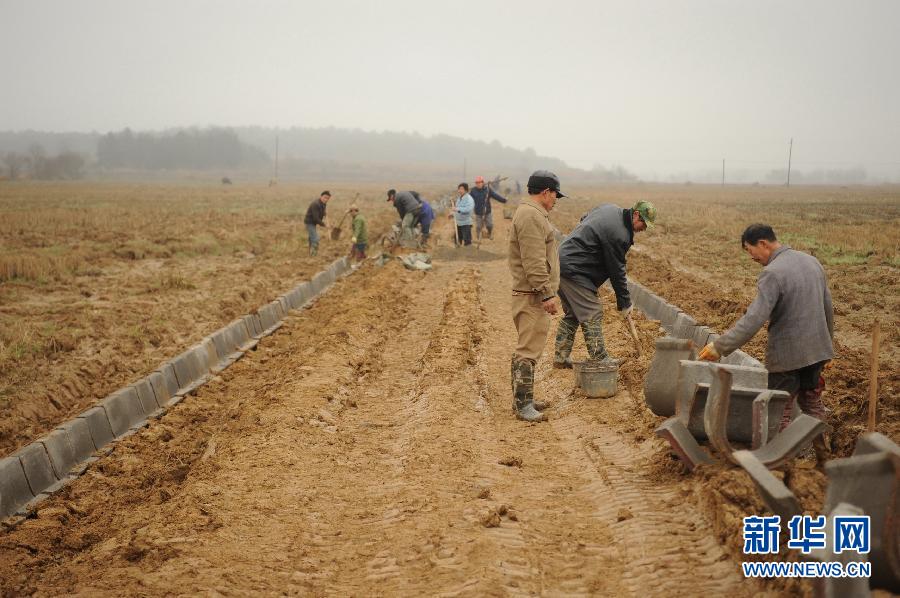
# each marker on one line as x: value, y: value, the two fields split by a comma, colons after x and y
x: 647, y: 212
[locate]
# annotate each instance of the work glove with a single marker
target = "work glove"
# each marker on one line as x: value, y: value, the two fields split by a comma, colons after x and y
x: 828, y: 365
x: 627, y: 311
x: 353, y: 239
x: 709, y: 353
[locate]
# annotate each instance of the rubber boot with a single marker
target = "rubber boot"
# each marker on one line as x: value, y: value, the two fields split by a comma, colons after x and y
x: 314, y: 249
x: 539, y: 405
x: 565, y: 338
x: 523, y: 393
x: 491, y: 234
x: 596, y: 346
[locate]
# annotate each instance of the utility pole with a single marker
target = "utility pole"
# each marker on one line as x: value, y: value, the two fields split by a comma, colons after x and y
x: 276, y: 157
x: 723, y: 172
x: 790, y: 151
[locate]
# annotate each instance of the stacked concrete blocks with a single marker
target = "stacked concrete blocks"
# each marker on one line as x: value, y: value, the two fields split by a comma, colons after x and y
x: 777, y: 497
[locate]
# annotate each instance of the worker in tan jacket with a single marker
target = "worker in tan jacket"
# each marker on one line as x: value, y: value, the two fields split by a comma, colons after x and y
x: 534, y: 265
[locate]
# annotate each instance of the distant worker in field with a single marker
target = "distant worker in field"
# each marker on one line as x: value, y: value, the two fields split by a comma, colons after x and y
x: 360, y: 238
x: 425, y: 219
x: 793, y: 296
x: 482, y: 195
x: 592, y: 254
x: 465, y: 205
x: 409, y: 208
x: 315, y: 216
x: 534, y: 266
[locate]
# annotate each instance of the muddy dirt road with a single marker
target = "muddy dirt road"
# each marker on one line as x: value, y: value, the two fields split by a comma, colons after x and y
x: 368, y: 447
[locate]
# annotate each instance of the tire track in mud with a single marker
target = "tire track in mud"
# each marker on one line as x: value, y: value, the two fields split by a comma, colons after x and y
x: 644, y: 534
x: 663, y: 548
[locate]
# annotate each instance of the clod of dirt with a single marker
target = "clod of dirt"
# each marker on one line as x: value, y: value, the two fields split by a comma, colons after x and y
x: 484, y: 493
x: 624, y: 514
x: 502, y: 510
x: 491, y: 519
x: 512, y: 515
x: 510, y: 461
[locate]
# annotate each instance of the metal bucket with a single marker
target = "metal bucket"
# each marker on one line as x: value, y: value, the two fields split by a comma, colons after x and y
x: 596, y: 380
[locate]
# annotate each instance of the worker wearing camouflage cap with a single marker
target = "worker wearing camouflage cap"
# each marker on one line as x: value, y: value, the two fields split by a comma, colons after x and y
x: 592, y: 254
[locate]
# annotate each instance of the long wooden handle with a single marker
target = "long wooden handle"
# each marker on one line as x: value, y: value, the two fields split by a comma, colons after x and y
x: 873, y: 378
x: 633, y: 330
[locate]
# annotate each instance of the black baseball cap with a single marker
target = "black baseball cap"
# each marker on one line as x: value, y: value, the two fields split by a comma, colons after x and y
x: 544, y: 179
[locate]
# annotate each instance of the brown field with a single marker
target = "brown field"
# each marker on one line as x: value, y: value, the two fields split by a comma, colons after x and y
x: 367, y: 447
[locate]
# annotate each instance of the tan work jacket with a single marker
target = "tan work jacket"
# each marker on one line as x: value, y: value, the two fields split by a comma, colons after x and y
x: 533, y: 257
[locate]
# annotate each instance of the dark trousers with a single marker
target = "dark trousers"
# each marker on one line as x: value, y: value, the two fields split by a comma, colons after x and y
x: 465, y: 234
x: 805, y: 385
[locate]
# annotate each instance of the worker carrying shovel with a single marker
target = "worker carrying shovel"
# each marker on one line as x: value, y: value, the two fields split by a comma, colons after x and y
x: 592, y: 254
x: 793, y: 296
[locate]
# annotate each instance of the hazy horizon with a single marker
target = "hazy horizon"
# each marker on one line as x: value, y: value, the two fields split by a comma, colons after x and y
x: 662, y: 88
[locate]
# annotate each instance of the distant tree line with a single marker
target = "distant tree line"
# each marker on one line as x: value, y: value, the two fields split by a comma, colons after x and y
x: 36, y: 164
x: 188, y: 149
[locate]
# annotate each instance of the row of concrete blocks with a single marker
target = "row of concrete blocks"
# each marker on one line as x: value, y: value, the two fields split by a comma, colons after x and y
x: 867, y: 483
x: 678, y: 324
x: 37, y: 470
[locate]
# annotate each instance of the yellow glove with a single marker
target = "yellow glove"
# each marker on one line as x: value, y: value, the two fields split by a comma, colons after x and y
x: 709, y: 353
x: 353, y: 239
x: 828, y: 365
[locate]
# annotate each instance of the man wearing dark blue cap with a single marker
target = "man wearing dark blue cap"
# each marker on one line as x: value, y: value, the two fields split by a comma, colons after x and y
x: 534, y: 266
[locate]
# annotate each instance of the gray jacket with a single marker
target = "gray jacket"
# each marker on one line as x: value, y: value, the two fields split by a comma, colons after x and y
x: 793, y: 296
x: 595, y: 251
x: 406, y: 202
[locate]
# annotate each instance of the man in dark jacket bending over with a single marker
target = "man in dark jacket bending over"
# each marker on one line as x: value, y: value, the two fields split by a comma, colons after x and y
x: 591, y: 254
x: 409, y: 207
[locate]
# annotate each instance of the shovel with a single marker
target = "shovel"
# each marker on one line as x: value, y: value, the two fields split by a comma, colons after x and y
x: 336, y: 231
x: 633, y: 331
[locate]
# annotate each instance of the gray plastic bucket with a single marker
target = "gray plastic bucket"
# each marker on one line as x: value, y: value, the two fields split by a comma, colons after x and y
x: 596, y: 380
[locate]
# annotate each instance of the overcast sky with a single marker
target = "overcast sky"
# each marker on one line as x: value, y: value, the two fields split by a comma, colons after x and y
x: 657, y: 86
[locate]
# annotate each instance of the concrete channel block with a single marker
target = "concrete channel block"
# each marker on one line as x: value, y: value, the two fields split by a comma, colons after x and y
x: 871, y: 481
x: 682, y: 443
x: 223, y: 345
x: 123, y: 408
x: 147, y: 397
x: 167, y: 371
x: 839, y: 587
x: 285, y: 302
x: 683, y: 326
x: 80, y: 438
x: 14, y: 489
x: 37, y: 467
x: 777, y: 497
x: 185, y: 370
x: 209, y: 356
x: 660, y: 383
x: 61, y: 453
x: 267, y: 317
x: 788, y: 443
x: 160, y: 389
x: 304, y: 293
x: 99, y: 426
x: 251, y: 321
x: 875, y: 442
x: 694, y: 379
x: 730, y: 412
